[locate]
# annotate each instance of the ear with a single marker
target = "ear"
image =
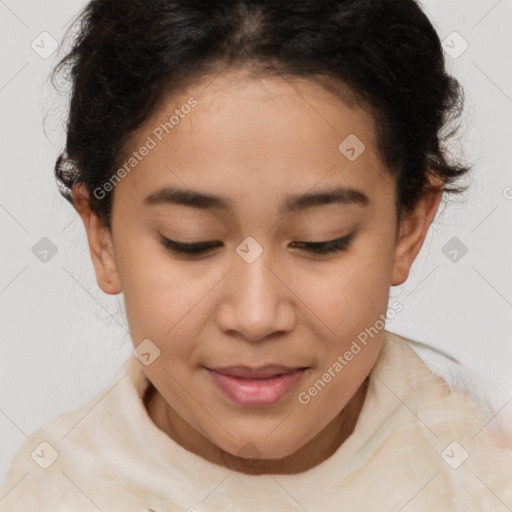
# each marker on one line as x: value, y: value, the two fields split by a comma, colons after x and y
x: 100, y: 242
x: 413, y: 231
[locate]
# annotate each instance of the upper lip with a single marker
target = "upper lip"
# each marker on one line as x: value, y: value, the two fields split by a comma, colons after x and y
x: 261, y: 372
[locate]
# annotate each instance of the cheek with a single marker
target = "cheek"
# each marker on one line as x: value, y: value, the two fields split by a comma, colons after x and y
x: 352, y: 308
x: 165, y: 300
x: 349, y: 294
x: 351, y: 299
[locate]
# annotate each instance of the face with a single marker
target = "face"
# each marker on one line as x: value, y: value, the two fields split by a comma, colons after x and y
x: 261, y: 292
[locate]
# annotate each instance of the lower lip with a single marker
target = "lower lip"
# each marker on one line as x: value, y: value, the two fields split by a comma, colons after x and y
x: 256, y: 392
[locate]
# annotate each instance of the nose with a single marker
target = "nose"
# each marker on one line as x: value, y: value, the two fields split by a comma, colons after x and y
x: 256, y: 301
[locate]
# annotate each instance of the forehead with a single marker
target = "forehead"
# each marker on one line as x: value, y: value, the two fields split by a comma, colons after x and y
x: 256, y: 138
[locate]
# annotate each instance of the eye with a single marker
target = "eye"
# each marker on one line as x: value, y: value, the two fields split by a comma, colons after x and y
x: 332, y: 246
x: 199, y: 248
x: 193, y: 249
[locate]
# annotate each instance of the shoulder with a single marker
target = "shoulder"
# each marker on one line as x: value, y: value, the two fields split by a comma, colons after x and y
x: 435, y: 420
x: 491, y: 401
x: 38, y: 468
x: 55, y: 456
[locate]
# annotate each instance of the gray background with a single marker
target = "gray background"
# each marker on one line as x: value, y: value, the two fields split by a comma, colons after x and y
x: 62, y: 339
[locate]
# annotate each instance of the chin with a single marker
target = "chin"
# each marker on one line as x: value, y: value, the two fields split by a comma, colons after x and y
x: 261, y: 449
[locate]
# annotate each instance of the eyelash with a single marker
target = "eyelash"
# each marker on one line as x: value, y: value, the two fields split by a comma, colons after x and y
x: 317, y: 248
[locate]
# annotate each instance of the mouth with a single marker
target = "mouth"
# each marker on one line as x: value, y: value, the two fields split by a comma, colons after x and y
x: 262, y: 372
x: 252, y: 387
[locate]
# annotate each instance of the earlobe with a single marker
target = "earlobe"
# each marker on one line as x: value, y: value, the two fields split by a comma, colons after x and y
x: 413, y: 232
x: 100, y: 242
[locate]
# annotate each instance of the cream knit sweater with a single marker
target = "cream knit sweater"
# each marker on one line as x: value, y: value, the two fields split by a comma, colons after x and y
x: 418, y: 446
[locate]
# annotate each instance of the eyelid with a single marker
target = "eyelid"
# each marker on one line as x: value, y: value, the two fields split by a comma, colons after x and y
x: 198, y: 246
x: 315, y: 248
x: 329, y: 246
x: 324, y: 242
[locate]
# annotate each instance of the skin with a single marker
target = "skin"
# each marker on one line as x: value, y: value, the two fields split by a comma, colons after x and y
x: 256, y: 141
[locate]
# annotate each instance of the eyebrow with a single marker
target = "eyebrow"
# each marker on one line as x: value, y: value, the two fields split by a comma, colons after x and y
x: 292, y: 203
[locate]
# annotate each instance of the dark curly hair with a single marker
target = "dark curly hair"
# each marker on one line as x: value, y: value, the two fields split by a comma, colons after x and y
x: 129, y: 54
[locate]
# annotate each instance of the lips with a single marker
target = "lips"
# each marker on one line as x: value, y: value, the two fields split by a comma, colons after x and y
x: 256, y: 387
x: 263, y: 372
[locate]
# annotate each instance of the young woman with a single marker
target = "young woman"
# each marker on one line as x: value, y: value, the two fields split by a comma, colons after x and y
x: 254, y: 176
